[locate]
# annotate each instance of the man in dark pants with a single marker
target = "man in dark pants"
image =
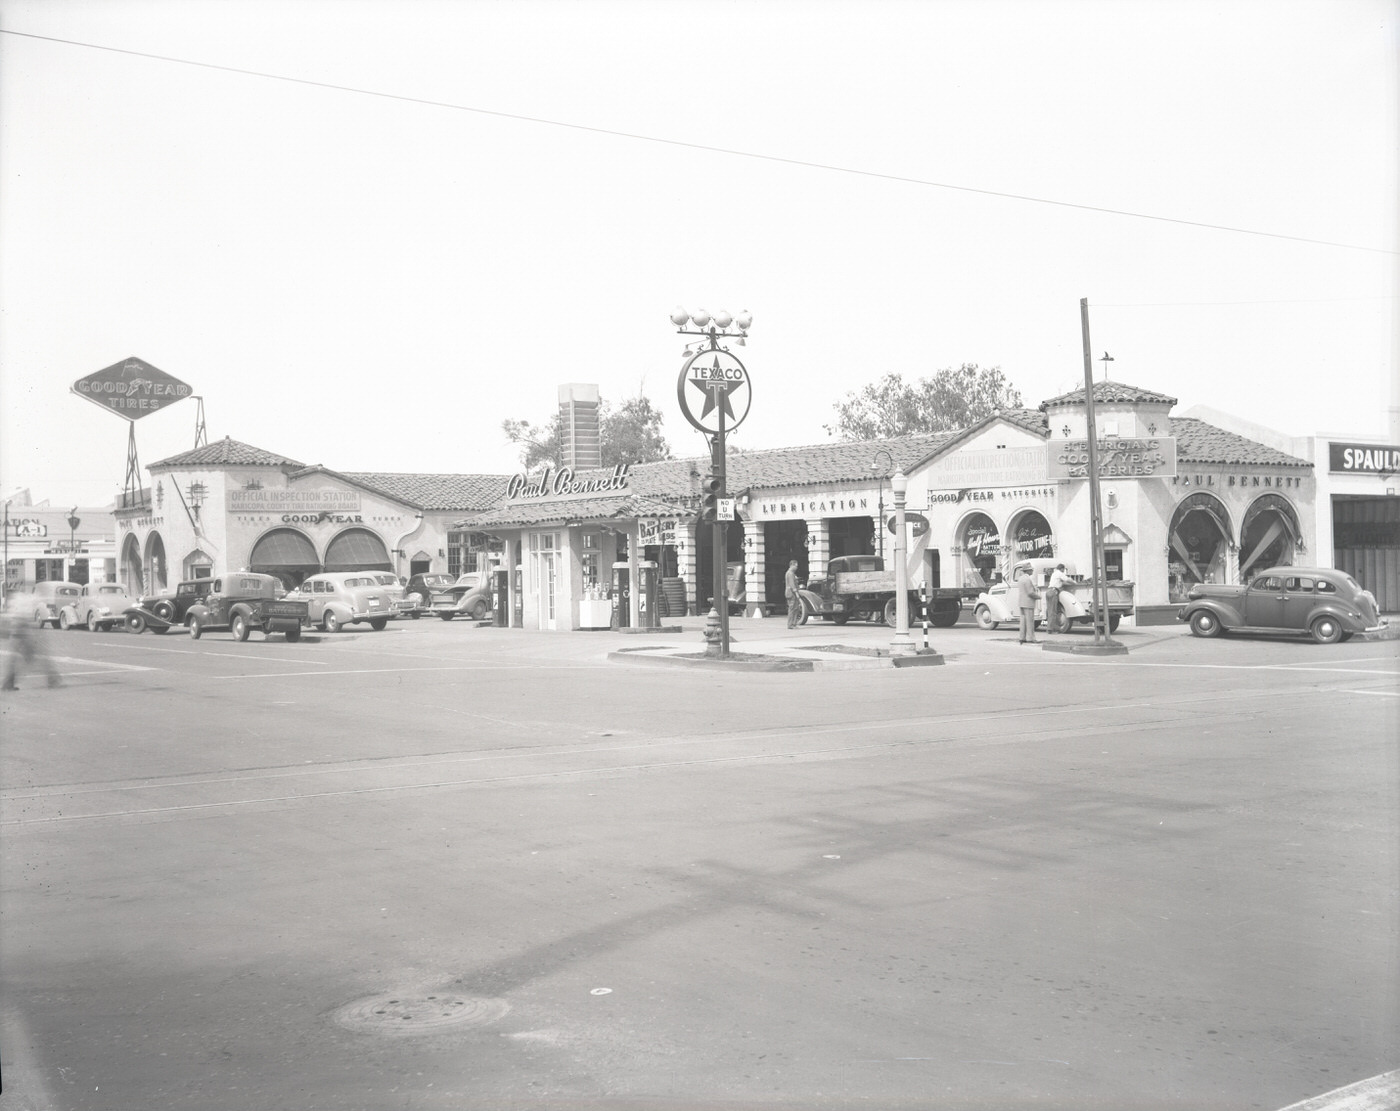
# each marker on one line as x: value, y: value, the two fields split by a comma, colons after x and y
x: 1026, y: 594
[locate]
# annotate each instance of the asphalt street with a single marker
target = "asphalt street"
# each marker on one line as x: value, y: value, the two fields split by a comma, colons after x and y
x: 450, y: 866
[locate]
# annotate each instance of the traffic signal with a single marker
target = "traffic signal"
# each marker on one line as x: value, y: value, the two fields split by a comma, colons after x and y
x: 711, y: 489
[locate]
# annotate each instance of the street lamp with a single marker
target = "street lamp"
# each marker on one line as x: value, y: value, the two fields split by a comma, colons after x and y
x: 712, y: 328
x: 901, y: 644
x: 1106, y: 359
x: 198, y: 492
x: 880, y: 477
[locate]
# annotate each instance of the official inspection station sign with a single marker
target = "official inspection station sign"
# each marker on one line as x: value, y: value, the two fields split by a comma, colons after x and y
x: 132, y: 388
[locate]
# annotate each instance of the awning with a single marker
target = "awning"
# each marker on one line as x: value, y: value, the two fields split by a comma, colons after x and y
x: 357, y: 550
x: 283, y: 548
x: 564, y: 511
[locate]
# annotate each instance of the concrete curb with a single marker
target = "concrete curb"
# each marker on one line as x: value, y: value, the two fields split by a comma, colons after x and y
x: 1379, y: 1093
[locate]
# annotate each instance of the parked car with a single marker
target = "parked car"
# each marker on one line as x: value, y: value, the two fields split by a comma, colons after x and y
x: 49, y: 597
x: 471, y: 597
x: 242, y: 601
x: 997, y: 604
x: 1330, y: 605
x: 423, y: 588
x: 393, y: 586
x: 98, y: 606
x: 158, y: 612
x: 336, y: 598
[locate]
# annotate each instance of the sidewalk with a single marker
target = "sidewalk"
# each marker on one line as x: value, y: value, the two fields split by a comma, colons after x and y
x: 767, y: 644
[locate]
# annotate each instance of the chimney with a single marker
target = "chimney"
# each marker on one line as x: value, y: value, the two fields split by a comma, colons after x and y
x: 578, y: 414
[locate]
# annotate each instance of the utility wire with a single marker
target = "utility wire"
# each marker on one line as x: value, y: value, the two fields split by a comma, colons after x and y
x: 700, y: 146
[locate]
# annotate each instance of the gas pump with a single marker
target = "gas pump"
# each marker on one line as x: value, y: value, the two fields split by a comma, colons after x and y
x: 622, y: 595
x: 500, y: 589
x: 648, y: 589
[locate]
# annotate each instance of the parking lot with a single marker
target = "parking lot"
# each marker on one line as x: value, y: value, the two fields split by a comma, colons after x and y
x: 454, y: 866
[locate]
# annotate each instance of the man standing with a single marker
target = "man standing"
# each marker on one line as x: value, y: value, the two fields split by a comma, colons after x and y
x: 794, y: 599
x: 1057, y: 582
x: 1026, y: 594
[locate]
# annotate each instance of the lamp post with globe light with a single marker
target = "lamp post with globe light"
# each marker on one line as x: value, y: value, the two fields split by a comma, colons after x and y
x: 718, y: 375
x: 880, y: 476
x: 902, y: 644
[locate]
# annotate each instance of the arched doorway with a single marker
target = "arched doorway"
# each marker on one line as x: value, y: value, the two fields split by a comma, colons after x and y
x: 357, y: 549
x: 157, y: 573
x: 980, y: 542
x: 1034, y: 539
x: 197, y: 565
x: 287, y: 553
x: 131, y: 566
x: 783, y: 541
x: 1199, y: 545
x: 1269, y: 535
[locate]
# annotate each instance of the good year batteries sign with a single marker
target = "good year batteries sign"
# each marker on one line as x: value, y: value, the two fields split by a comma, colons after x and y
x: 1117, y: 458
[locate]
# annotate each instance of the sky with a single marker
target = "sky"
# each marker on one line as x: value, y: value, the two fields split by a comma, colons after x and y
x: 367, y: 232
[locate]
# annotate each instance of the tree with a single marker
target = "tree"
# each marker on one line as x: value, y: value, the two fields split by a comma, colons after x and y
x: 631, y: 434
x: 950, y: 399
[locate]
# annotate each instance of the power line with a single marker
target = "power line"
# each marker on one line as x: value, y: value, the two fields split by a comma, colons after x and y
x: 701, y: 146
x: 1278, y: 301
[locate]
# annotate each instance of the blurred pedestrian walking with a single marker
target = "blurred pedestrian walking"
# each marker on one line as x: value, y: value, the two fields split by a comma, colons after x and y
x: 24, y: 648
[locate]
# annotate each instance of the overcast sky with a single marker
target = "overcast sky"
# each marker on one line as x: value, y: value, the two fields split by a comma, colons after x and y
x: 406, y: 221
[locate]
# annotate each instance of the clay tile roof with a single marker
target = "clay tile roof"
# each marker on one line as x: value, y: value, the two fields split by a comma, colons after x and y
x: 1199, y: 442
x: 464, y: 492
x: 227, y: 451
x: 624, y: 507
x: 1111, y: 393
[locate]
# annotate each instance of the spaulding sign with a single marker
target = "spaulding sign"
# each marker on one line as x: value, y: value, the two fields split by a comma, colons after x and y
x: 132, y: 388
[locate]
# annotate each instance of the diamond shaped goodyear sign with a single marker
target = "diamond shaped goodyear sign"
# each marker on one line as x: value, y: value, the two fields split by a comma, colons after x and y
x: 132, y: 388
x: 714, y: 383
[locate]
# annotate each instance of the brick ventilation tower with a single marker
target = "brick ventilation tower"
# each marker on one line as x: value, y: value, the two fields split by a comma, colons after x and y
x: 578, y: 413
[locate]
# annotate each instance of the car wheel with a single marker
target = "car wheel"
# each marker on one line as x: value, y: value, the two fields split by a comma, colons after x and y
x: 238, y: 626
x: 135, y: 623
x: 447, y: 616
x: 293, y: 635
x: 1204, y: 623
x: 40, y: 620
x: 415, y: 615
x: 330, y: 622
x: 63, y: 622
x: 840, y: 618
x: 196, y: 627
x: 378, y: 623
x: 1113, y: 620
x: 92, y: 623
x: 477, y: 610
x: 945, y: 617
x: 1326, y: 630
x: 984, y: 618
x: 164, y: 610
x: 806, y: 611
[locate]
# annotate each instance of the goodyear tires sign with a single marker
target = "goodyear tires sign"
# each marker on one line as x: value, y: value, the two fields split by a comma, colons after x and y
x: 132, y: 388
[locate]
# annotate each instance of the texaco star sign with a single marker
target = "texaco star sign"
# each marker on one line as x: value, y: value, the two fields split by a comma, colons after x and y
x: 721, y: 382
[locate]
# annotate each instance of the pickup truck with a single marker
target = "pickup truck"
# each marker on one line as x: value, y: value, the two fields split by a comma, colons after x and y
x: 997, y: 604
x: 243, y: 601
x: 861, y: 587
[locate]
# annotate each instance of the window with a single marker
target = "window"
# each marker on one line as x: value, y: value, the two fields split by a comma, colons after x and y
x: 1298, y: 584
x: 1113, y: 565
x: 1270, y: 582
x: 1325, y: 587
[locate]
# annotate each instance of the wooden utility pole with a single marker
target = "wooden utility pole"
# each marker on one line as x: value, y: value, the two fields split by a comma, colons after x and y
x: 1099, y: 588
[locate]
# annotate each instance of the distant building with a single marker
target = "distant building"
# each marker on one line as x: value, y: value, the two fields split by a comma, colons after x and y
x: 45, y: 542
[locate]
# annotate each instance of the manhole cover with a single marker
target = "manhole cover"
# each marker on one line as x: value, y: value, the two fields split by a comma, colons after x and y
x: 419, y: 1014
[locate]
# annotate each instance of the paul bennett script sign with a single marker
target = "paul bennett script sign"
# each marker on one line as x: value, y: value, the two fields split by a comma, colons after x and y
x: 1118, y: 458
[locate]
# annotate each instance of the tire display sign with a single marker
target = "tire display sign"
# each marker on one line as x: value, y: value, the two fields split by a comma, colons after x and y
x: 712, y: 384
x: 132, y: 388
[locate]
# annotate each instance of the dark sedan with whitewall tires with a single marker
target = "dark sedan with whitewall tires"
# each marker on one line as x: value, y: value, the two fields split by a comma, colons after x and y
x: 1326, y: 604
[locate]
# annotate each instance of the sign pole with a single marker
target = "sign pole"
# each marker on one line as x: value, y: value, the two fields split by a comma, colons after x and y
x: 1099, y: 589
x: 721, y: 543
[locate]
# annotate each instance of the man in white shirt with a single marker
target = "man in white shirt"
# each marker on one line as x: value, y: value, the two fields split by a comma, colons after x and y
x: 1058, y: 580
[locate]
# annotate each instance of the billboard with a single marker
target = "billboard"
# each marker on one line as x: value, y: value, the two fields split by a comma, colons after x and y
x: 132, y: 388
x: 1153, y: 457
